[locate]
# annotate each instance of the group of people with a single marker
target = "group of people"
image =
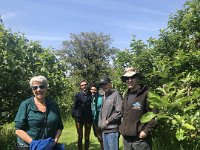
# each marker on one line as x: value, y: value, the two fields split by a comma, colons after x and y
x: 38, y: 122
x: 112, y: 115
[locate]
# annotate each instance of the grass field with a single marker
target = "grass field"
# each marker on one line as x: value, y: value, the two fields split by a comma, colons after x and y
x: 69, y: 138
x: 161, y: 141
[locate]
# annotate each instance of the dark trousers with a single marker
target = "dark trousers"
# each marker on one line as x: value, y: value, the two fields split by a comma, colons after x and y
x: 134, y: 143
x: 98, y: 134
x: 79, y: 128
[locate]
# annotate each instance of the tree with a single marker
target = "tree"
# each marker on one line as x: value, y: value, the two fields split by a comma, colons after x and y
x: 171, y: 67
x: 21, y: 59
x: 88, y: 55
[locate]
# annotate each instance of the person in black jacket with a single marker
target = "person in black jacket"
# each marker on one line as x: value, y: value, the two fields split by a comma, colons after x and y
x: 136, y: 136
x: 82, y: 114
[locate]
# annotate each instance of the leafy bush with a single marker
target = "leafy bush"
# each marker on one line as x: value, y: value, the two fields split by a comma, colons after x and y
x: 7, y: 137
x: 19, y: 61
x: 170, y: 65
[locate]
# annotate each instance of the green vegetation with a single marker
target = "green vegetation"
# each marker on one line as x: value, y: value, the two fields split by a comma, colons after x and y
x: 69, y: 137
x: 7, y: 136
x: 19, y: 61
x: 87, y: 55
x: 170, y: 65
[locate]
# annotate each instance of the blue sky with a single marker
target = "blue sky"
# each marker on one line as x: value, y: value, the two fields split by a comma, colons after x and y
x: 52, y: 21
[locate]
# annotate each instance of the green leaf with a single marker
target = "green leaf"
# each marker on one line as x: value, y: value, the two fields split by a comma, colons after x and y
x: 165, y: 100
x: 190, y: 107
x: 153, y: 96
x: 162, y: 116
x: 155, y: 100
x: 147, y: 117
x: 179, y: 119
x: 180, y: 134
x: 188, y: 126
x: 174, y: 121
x: 180, y: 93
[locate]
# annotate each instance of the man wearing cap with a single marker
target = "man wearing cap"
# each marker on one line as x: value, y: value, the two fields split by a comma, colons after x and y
x: 136, y: 136
x: 110, y: 116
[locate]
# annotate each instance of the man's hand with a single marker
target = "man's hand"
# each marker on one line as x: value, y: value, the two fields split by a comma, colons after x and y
x: 142, y: 135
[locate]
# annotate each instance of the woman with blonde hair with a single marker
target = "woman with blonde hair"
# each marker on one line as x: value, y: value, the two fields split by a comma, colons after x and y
x: 38, y: 120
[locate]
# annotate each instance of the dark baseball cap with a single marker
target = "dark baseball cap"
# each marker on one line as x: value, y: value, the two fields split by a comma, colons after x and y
x: 104, y: 80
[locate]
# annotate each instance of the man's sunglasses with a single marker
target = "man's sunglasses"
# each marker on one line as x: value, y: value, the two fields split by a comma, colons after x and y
x: 127, y: 78
x: 36, y: 87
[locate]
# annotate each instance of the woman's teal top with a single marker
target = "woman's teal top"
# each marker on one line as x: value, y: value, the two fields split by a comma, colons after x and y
x: 96, y: 107
x: 36, y: 124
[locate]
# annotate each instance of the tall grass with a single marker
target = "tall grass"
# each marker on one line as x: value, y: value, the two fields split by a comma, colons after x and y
x: 163, y: 139
x: 7, y: 137
x: 69, y: 137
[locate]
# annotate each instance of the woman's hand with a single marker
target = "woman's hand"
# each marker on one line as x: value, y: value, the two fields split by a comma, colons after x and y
x: 24, y: 136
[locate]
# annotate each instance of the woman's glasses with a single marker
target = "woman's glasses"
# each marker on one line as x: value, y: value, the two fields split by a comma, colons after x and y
x: 39, y: 86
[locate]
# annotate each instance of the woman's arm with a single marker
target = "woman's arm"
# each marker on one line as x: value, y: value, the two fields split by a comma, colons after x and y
x: 24, y: 136
x: 59, y: 127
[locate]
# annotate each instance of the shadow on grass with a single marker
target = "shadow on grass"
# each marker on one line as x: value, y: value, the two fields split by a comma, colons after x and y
x: 73, y: 146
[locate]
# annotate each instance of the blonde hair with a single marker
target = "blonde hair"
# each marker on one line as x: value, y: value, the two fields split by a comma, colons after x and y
x: 39, y: 78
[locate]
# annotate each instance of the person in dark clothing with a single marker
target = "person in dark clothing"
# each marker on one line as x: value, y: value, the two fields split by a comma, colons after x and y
x: 110, y: 115
x: 136, y: 136
x: 82, y: 114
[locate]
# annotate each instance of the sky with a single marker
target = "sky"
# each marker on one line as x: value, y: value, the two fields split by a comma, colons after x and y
x: 52, y: 21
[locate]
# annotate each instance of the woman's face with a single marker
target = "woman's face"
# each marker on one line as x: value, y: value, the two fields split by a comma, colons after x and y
x: 39, y: 90
x: 93, y: 90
